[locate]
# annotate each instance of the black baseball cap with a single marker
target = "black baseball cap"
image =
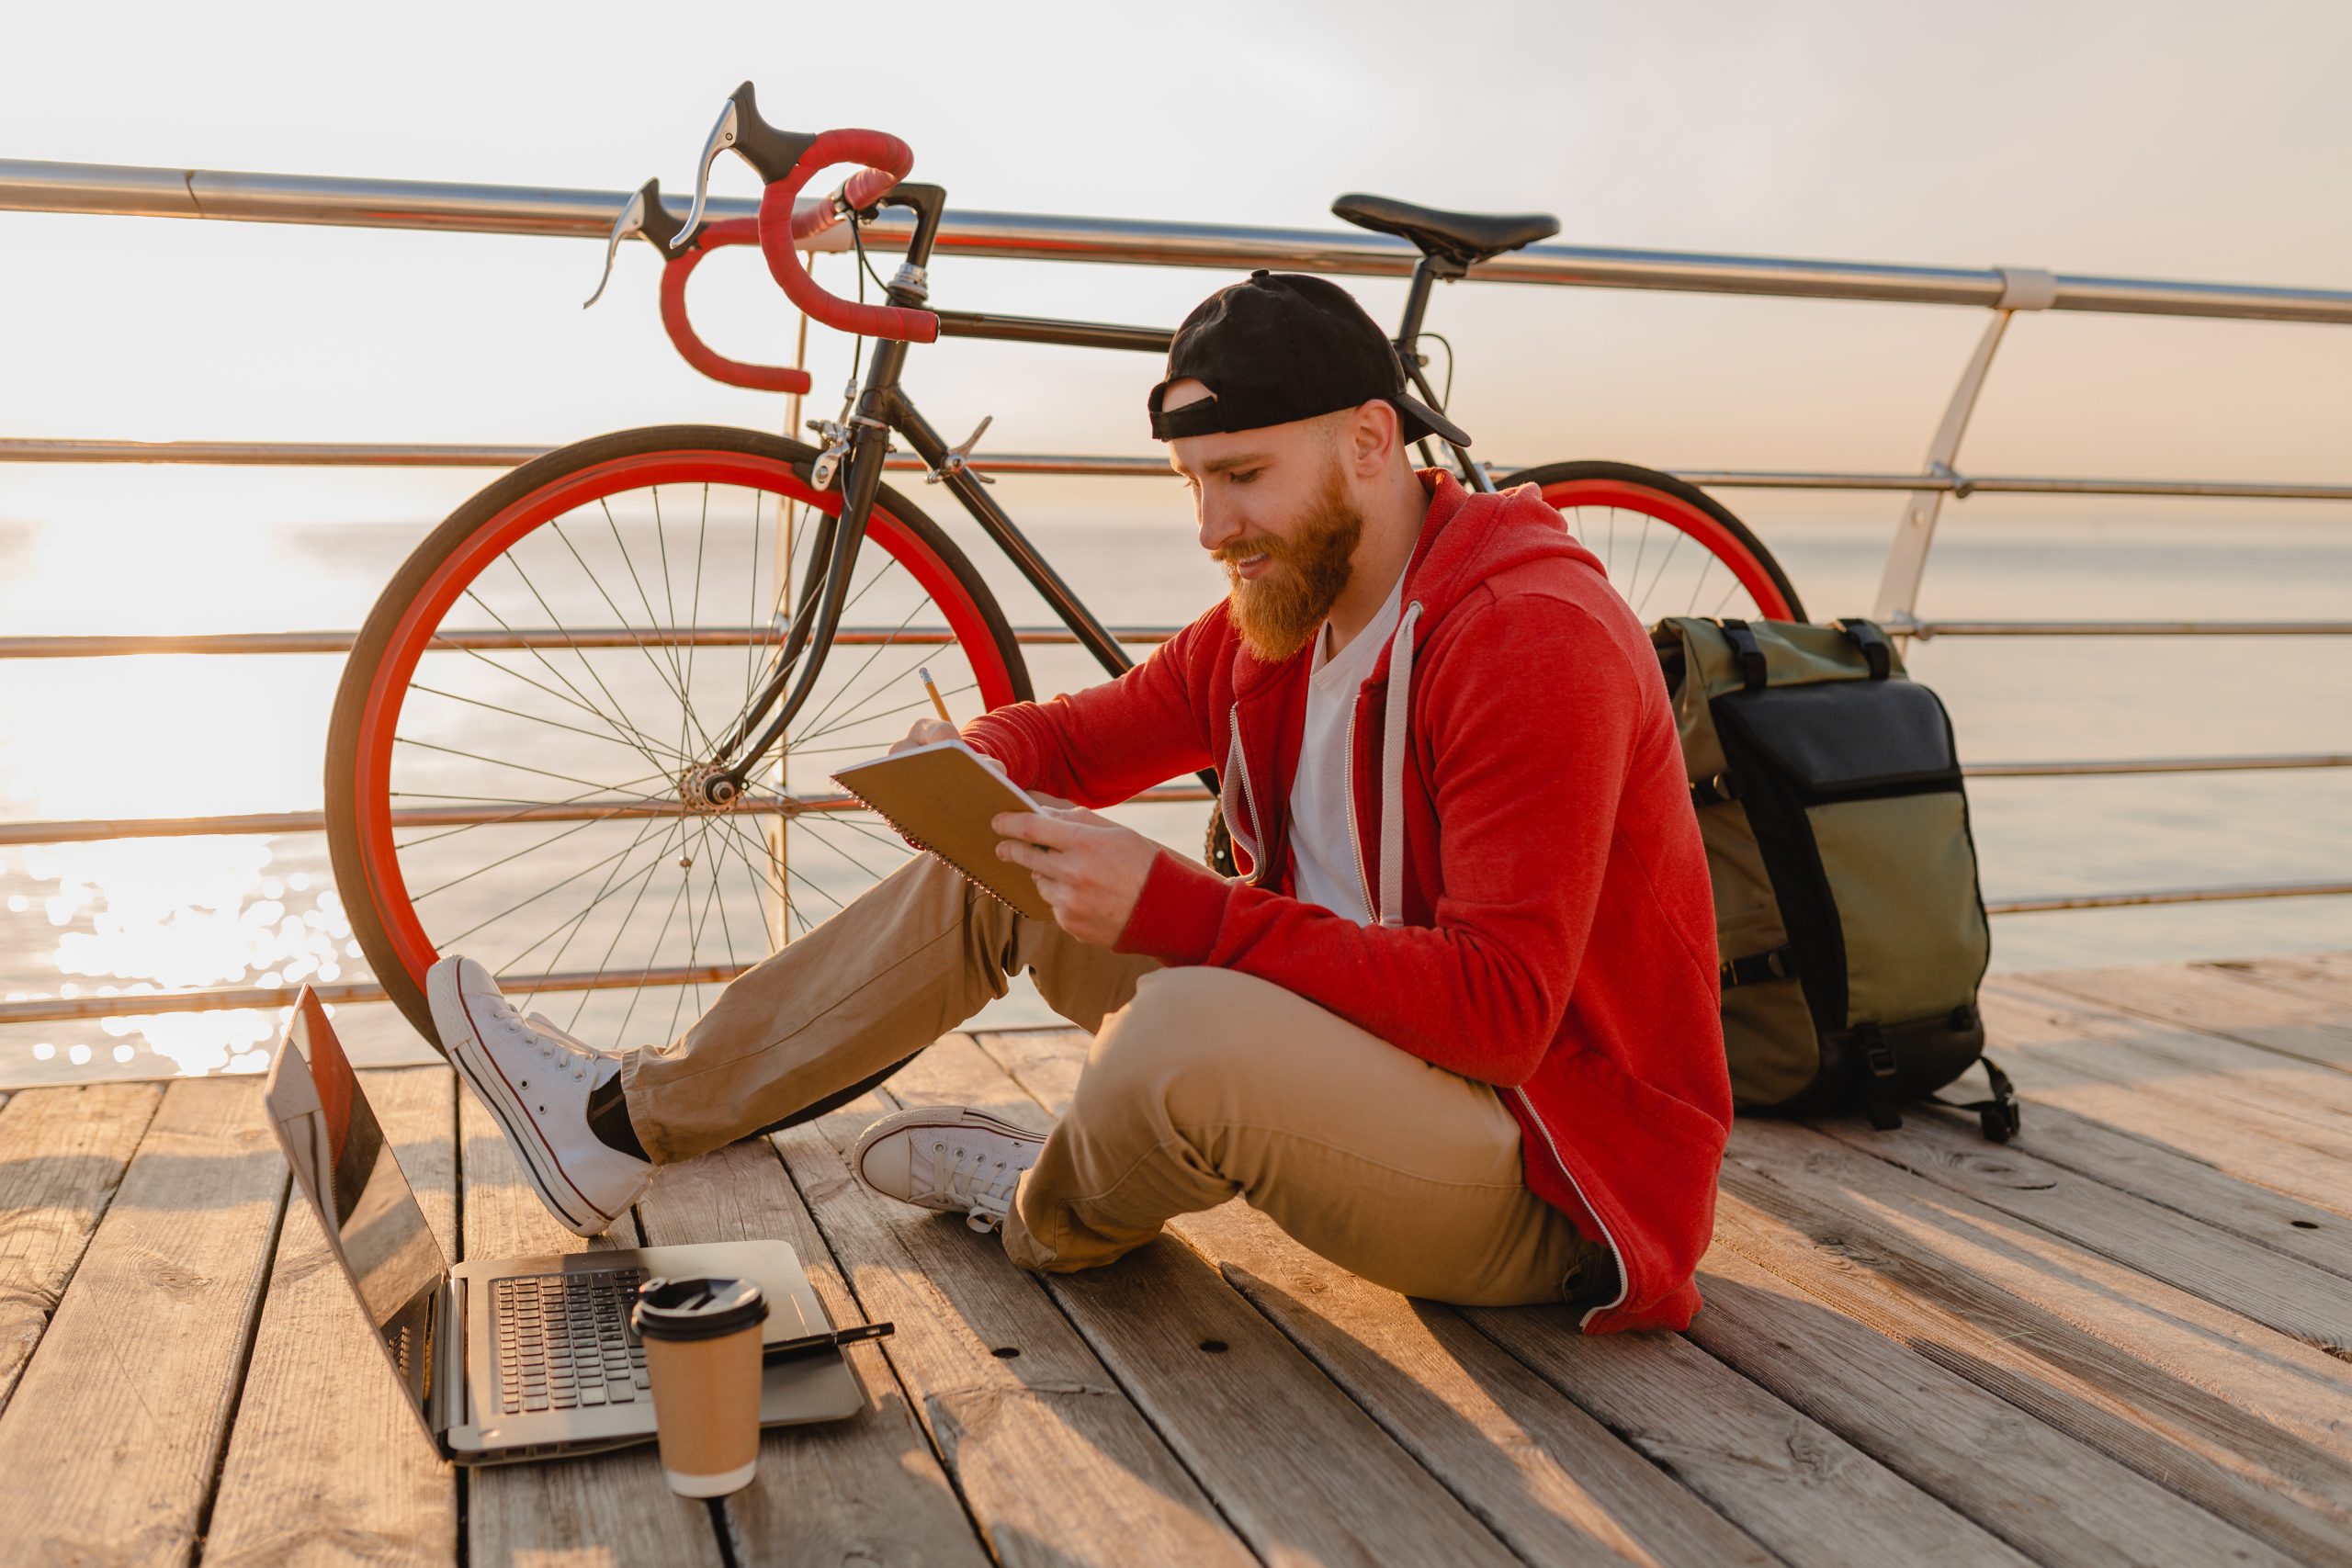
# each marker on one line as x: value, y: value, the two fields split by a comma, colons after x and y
x: 1285, y: 346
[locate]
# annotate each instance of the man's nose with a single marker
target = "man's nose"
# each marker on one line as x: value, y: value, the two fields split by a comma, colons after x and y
x: 1219, y: 526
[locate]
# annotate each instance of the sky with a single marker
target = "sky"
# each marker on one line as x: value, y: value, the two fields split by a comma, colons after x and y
x: 2159, y: 139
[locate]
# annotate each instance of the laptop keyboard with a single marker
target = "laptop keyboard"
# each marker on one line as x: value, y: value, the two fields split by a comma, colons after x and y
x: 565, y: 1343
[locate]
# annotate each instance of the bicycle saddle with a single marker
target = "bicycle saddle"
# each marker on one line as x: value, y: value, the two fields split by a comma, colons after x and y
x: 1464, y: 239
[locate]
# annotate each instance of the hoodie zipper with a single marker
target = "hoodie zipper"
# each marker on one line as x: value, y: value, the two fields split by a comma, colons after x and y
x: 1249, y: 796
x: 1624, y: 1279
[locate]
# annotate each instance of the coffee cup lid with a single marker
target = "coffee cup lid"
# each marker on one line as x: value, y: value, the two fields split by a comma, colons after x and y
x: 697, y: 1309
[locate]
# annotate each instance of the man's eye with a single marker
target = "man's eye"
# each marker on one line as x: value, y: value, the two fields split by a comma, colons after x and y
x: 1243, y: 476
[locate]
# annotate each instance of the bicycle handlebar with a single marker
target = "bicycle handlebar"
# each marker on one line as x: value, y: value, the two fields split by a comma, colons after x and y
x: 698, y: 354
x: 887, y: 161
x: 786, y: 162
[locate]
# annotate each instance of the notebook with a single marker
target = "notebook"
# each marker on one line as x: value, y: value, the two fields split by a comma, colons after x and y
x: 941, y: 797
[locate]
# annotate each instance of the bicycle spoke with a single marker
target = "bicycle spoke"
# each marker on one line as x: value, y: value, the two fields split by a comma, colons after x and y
x: 577, y: 652
x: 638, y: 993
x: 517, y: 713
x: 618, y: 726
x: 921, y: 702
x: 620, y: 930
x: 624, y: 853
x: 493, y: 762
x: 1672, y: 545
x: 668, y: 647
x: 599, y: 584
x: 579, y: 917
x: 504, y: 859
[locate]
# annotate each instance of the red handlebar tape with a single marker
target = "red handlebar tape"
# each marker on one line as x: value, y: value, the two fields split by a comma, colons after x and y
x: 698, y: 354
x: 887, y: 161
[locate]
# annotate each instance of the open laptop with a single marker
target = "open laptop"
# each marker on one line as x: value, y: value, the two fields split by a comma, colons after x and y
x: 511, y: 1358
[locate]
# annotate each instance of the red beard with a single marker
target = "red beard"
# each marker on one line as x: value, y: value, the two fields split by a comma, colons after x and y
x: 1276, y: 613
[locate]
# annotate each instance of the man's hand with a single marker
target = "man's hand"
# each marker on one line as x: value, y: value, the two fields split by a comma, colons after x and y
x: 1089, y: 869
x: 925, y: 732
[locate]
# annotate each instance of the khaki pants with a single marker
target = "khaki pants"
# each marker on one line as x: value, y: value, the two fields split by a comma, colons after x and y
x: 1202, y: 1085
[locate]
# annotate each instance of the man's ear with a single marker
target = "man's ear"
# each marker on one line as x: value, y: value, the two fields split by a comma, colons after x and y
x: 1376, y: 436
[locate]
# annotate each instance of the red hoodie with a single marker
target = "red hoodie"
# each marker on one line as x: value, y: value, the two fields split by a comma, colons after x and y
x: 1545, y: 922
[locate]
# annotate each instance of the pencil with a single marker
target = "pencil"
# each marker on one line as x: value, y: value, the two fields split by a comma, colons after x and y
x: 936, y: 700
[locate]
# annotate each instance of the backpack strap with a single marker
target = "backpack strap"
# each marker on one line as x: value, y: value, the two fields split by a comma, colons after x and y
x: 1876, y: 650
x: 1998, y: 1115
x: 1876, y: 1061
x: 1778, y: 964
x: 1714, y: 789
x: 1744, y: 648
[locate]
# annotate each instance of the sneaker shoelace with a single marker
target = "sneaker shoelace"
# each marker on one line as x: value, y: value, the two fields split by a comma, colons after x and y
x: 566, y: 1053
x: 979, y: 1184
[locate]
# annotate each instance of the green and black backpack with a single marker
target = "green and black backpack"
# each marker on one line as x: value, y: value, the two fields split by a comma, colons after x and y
x: 1849, y: 924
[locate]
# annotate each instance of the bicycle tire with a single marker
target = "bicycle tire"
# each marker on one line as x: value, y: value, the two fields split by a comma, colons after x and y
x: 380, y: 677
x: 1693, y: 513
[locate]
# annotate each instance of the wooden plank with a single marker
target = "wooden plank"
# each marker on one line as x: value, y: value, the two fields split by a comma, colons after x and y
x: 1302, y: 1474
x: 2162, y: 1381
x: 609, y: 1509
x: 1056, y: 1465
x: 113, y: 1437
x: 62, y: 1153
x: 326, y: 1464
x: 2263, y: 1087
x: 2270, y: 1007
x: 2177, y: 1181
x: 2224, y: 1269
x: 1547, y: 1478
x: 2150, y: 1101
x: 868, y: 1490
x: 2054, y: 1498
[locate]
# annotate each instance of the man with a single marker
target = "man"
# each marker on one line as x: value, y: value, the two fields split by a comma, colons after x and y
x: 1455, y: 1026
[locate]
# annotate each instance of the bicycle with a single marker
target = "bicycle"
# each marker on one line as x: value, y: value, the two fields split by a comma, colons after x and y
x: 513, y: 761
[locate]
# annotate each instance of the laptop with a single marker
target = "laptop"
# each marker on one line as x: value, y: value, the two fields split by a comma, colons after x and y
x: 511, y: 1359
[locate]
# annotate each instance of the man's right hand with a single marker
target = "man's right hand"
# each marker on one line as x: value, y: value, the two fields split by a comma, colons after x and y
x: 927, y: 731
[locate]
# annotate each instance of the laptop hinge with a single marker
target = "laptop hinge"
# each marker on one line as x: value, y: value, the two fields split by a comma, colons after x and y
x: 447, y: 1330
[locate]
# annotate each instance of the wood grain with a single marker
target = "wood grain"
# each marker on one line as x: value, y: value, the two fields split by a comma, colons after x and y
x: 2162, y: 1381
x: 63, y: 1151
x: 868, y: 1490
x: 2274, y: 1008
x: 112, y: 1439
x: 610, y: 1510
x: 2226, y: 1269
x: 1055, y: 1463
x: 1547, y: 1478
x: 1302, y: 1474
x: 2040, y: 1036
x: 326, y: 1464
x: 2054, y: 1498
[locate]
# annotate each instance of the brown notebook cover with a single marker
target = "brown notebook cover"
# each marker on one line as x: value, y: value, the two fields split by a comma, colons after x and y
x: 941, y: 797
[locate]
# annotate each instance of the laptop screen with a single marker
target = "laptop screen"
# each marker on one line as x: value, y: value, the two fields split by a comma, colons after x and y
x: 344, y: 1164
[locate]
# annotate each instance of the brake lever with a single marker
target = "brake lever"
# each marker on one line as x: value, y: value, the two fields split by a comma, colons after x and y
x: 723, y: 135
x: 642, y: 214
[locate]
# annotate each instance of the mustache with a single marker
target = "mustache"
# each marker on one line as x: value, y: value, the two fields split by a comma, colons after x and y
x: 1234, y: 553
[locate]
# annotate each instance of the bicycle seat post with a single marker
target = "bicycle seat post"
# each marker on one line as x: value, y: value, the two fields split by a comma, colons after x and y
x: 1426, y: 272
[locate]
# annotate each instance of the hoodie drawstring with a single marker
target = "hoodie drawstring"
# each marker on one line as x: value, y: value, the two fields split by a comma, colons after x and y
x: 1392, y: 741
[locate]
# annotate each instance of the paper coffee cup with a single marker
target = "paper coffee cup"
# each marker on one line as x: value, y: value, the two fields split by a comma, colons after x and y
x: 702, y: 1355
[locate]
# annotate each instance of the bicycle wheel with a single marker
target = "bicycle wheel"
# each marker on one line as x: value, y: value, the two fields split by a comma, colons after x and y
x: 1637, y: 521
x: 507, y: 760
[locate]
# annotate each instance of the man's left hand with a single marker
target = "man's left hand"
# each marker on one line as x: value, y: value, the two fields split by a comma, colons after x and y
x: 1089, y: 869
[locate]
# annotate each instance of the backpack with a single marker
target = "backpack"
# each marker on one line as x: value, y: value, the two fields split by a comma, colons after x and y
x: 1849, y: 922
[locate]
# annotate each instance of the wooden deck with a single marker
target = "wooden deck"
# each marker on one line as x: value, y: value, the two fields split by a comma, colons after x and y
x: 2122, y: 1339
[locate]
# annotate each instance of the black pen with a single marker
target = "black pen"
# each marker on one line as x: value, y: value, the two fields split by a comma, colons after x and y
x: 816, y: 1344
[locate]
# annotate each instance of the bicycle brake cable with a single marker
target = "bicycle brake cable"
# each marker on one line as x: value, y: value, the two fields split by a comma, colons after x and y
x: 1447, y: 396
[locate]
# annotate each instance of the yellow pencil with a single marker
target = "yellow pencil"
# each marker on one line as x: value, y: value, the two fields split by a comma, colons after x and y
x: 936, y: 700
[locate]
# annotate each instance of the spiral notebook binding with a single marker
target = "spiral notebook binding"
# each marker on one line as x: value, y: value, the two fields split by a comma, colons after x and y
x: 934, y: 854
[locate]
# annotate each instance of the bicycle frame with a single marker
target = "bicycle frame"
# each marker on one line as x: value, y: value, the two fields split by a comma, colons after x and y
x: 881, y: 408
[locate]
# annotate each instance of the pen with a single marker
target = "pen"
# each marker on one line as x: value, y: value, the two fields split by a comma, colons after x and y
x: 936, y: 700
x: 816, y: 1344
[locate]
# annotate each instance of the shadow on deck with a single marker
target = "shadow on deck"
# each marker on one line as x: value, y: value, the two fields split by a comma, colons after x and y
x: 2123, y: 1337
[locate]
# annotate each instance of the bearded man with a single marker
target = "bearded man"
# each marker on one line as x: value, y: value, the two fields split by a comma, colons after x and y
x: 1453, y: 1028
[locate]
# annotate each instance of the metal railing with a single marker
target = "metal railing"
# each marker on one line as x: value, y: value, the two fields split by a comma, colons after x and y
x: 506, y: 210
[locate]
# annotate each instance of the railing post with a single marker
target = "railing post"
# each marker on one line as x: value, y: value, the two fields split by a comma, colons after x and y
x: 2023, y: 288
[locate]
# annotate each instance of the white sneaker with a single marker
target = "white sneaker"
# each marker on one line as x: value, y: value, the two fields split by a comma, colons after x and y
x: 949, y: 1158
x: 534, y: 1078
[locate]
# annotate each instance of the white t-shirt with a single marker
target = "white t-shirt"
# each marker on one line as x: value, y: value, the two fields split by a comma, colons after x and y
x: 1322, y: 832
